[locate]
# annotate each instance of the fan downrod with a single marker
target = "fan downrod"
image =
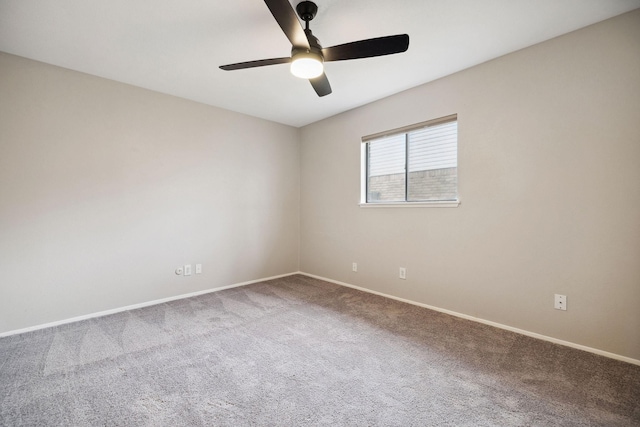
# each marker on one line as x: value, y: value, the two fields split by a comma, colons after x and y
x: 307, y: 10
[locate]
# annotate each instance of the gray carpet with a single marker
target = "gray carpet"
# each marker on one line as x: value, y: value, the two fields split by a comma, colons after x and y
x: 298, y: 351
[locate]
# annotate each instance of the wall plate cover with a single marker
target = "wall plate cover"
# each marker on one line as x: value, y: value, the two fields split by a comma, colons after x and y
x: 560, y: 302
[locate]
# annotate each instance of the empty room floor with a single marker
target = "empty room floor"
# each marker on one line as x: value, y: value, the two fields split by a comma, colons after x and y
x: 302, y: 351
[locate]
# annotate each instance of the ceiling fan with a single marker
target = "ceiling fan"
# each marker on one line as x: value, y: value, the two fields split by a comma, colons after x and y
x: 308, y: 56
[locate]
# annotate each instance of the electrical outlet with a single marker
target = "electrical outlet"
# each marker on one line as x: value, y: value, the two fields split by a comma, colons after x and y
x: 179, y: 271
x: 403, y: 273
x: 560, y: 302
x: 198, y: 268
x: 187, y: 270
x: 354, y: 267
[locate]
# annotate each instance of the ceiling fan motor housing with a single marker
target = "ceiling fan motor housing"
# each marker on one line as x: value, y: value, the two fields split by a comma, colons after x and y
x: 314, y: 46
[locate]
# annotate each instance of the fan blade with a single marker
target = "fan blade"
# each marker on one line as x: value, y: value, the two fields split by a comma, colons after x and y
x: 321, y: 85
x: 252, y: 64
x: 367, y: 48
x: 288, y: 21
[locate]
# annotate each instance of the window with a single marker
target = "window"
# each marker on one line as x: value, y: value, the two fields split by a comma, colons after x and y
x: 417, y: 164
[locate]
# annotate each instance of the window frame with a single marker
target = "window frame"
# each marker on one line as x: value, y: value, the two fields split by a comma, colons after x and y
x: 364, y: 168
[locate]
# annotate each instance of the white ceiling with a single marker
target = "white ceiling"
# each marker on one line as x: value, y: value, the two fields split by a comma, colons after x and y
x: 176, y: 46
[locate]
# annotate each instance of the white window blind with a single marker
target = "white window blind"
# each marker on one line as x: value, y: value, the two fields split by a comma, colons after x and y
x: 434, y: 147
x: 387, y: 155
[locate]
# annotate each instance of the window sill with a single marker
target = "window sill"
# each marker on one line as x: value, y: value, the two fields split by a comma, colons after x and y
x: 442, y: 204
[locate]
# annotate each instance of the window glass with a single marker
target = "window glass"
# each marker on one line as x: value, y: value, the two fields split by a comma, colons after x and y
x: 418, y: 165
x: 433, y: 163
x: 386, y: 177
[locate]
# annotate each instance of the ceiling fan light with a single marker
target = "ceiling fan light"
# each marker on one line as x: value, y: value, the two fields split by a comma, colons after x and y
x: 306, y: 66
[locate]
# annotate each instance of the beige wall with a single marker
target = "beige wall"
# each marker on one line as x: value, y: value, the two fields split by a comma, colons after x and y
x: 549, y: 182
x: 106, y: 188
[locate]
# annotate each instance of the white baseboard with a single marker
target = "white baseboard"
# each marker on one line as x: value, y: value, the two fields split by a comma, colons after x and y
x: 486, y: 322
x: 135, y: 306
x: 348, y: 285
